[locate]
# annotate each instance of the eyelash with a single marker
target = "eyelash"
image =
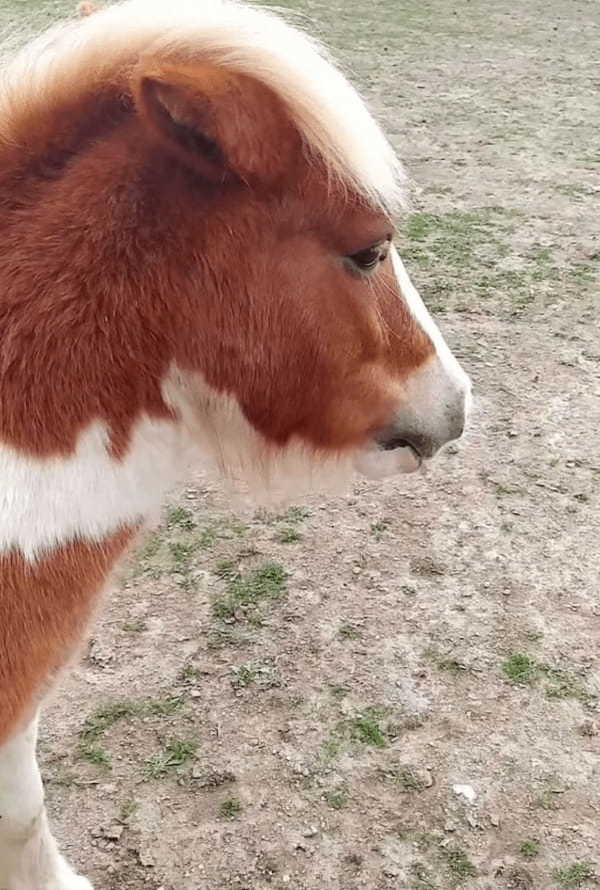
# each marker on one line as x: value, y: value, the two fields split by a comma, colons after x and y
x: 368, y: 259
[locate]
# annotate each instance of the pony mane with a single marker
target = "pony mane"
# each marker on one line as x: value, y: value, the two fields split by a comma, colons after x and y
x: 84, y: 57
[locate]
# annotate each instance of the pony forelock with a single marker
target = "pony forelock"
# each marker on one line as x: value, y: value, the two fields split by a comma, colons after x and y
x: 96, y: 51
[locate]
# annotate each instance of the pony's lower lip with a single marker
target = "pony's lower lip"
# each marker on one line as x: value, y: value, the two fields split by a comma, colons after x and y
x: 403, y: 443
x: 379, y: 463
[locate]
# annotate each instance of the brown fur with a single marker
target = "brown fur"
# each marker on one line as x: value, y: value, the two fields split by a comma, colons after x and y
x: 117, y: 259
x: 44, y: 610
x: 173, y: 214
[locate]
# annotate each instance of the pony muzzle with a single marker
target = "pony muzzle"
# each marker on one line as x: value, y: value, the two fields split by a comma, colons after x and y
x: 435, y: 414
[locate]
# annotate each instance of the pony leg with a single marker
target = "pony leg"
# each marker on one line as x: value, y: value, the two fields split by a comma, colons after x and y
x: 29, y: 857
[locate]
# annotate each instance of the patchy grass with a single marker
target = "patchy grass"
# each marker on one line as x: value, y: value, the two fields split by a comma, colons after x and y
x: 550, y: 794
x: 451, y: 666
x: 369, y: 728
x: 332, y: 747
x: 189, y: 674
x: 520, y: 669
x: 565, y: 684
x: 182, y: 553
x: 380, y: 527
x: 244, y: 676
x: 128, y: 809
x: 180, y: 517
x: 223, y: 637
x: 296, y: 514
x: 173, y: 756
x: 150, y: 547
x: 457, y: 238
x: 207, y: 537
x: 502, y: 489
x: 348, y: 631
x: 473, y: 249
x: 530, y: 848
x: 406, y: 778
x: 230, y: 809
x: 338, y: 690
x: 337, y: 798
x: 64, y: 778
x: 136, y: 626
x: 245, y: 593
x: 226, y: 569
x: 95, y: 754
x: 112, y: 712
x: 161, y: 707
x: 287, y: 535
x: 458, y: 863
x: 575, y: 875
x: 107, y: 715
x: 420, y: 877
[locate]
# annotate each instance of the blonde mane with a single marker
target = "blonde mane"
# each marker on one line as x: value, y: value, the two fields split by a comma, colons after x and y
x: 83, y: 57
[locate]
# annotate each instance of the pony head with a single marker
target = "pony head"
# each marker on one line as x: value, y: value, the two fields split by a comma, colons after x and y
x: 226, y: 205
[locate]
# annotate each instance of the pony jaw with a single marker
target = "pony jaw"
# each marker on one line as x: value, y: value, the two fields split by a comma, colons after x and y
x: 232, y: 449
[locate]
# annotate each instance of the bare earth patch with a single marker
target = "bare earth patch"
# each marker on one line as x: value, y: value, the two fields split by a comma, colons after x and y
x: 397, y: 689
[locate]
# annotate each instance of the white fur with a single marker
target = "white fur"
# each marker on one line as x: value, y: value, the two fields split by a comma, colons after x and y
x: 327, y: 110
x: 435, y: 399
x: 444, y: 356
x: 45, y: 501
x: 29, y: 858
x: 240, y: 454
x: 373, y: 463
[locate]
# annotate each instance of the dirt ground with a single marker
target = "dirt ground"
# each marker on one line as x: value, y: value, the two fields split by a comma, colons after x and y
x: 399, y: 688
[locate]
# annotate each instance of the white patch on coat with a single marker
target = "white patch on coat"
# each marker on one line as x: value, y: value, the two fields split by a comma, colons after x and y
x: 238, y: 453
x: 47, y: 501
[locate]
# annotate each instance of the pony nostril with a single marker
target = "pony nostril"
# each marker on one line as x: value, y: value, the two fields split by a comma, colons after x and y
x: 391, y: 440
x: 390, y: 444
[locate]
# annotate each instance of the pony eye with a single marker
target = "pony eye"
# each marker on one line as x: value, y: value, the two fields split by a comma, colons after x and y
x: 366, y: 260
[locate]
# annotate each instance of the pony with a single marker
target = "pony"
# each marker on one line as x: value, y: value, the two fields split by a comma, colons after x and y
x: 196, y: 244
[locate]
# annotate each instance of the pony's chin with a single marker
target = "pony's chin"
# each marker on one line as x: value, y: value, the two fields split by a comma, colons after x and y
x: 375, y: 463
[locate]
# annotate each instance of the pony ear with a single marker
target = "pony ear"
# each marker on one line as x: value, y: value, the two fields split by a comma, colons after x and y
x: 222, y: 124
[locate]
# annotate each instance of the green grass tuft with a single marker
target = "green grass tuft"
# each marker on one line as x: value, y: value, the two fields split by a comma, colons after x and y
x: 95, y: 754
x: 379, y: 528
x: 348, y: 631
x: 338, y: 797
x: 520, y: 669
x: 244, y: 676
x: 459, y: 864
x: 180, y: 517
x: 288, y: 535
x: 245, y: 593
x: 106, y: 716
x: 366, y: 728
x: 128, y: 809
x: 136, y: 626
x: 189, y: 674
x: 574, y: 875
x: 405, y: 777
x: 175, y: 754
x: 420, y: 877
x: 230, y: 809
x: 530, y: 848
